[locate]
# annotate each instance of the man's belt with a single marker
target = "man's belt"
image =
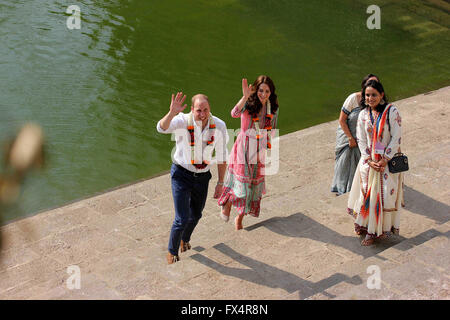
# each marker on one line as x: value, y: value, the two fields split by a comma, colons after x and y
x: 194, y: 174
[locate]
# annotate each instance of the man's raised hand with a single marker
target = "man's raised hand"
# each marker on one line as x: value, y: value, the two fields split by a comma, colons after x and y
x: 176, y: 105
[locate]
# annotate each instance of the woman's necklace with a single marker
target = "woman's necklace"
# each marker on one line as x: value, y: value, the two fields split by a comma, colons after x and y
x: 190, y: 127
x: 267, y: 127
x: 373, y: 115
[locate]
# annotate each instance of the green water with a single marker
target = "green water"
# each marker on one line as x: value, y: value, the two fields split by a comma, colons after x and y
x: 98, y: 92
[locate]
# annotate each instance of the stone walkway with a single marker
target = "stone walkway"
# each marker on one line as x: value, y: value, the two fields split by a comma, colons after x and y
x: 302, y: 246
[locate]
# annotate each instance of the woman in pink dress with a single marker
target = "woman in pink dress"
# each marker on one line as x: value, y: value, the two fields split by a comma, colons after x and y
x: 244, y: 184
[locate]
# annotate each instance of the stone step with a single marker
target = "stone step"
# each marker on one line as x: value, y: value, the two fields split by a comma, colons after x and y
x: 285, y: 253
x: 422, y: 219
x: 416, y: 268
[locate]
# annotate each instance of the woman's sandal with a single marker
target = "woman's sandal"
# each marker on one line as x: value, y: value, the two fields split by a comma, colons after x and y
x: 360, y: 231
x: 368, y: 242
x: 385, y: 235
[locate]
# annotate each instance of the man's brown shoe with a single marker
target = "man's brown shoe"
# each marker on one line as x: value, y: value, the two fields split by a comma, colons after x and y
x: 184, y: 246
x: 171, y: 258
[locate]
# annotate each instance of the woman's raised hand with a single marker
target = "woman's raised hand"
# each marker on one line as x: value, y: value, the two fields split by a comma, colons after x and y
x: 176, y: 105
x: 246, y: 89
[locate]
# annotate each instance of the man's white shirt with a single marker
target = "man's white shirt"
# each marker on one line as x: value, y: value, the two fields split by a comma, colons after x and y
x: 182, y: 155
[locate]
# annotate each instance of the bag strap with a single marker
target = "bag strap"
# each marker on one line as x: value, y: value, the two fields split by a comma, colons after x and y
x: 388, y: 119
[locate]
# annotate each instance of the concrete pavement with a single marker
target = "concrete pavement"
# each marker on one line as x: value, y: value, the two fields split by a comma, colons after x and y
x: 302, y: 246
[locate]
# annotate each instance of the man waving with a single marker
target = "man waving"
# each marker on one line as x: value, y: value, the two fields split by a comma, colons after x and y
x: 197, y: 135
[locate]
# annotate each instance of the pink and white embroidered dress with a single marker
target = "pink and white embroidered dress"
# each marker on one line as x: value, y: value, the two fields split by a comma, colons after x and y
x: 244, y: 184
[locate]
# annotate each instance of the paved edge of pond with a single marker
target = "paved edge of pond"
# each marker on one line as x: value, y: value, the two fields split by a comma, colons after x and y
x: 301, y: 247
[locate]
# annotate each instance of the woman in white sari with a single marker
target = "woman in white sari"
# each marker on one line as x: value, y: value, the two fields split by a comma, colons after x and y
x: 376, y: 194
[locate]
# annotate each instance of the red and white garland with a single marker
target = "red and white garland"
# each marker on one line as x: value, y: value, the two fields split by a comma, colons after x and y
x: 268, y: 126
x: 190, y: 127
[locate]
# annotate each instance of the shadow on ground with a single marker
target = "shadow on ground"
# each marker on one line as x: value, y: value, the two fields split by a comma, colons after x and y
x: 419, y: 203
x: 299, y: 225
x: 269, y: 276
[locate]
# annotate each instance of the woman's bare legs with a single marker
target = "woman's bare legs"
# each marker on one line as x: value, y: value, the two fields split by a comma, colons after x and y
x: 238, y: 222
x: 225, y: 213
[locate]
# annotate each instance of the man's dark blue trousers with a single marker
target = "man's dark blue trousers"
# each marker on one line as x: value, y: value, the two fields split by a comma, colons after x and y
x: 189, y: 192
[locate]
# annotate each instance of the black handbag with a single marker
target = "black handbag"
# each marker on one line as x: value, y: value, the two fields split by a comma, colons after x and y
x: 398, y: 163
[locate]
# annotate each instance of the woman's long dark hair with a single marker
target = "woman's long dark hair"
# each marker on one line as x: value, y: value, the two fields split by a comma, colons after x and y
x: 253, y: 104
x: 377, y: 86
x: 370, y: 75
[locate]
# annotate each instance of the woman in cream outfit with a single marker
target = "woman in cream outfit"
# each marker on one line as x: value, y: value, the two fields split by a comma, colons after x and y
x: 376, y: 194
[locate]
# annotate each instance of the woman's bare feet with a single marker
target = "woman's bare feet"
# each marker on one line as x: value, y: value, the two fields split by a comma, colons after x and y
x: 238, y: 222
